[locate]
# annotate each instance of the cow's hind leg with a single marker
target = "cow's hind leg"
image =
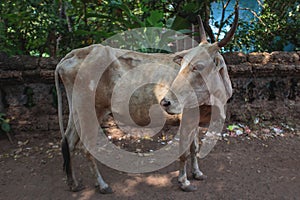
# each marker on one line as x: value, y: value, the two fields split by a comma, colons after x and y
x: 103, y: 186
x: 197, y: 174
x: 185, y: 184
x: 68, y: 145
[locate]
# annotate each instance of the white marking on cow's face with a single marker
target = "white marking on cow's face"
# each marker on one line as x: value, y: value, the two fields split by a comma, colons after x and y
x: 92, y: 85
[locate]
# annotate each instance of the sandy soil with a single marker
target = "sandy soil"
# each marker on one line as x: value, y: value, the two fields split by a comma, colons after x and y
x: 238, y: 168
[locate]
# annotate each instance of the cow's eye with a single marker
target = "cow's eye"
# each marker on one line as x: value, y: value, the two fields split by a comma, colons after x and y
x: 194, y: 68
x: 218, y: 64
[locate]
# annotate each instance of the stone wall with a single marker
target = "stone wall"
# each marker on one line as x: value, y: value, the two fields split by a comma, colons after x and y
x: 266, y: 85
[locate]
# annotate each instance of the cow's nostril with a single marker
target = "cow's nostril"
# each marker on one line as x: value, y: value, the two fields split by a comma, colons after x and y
x: 165, y: 102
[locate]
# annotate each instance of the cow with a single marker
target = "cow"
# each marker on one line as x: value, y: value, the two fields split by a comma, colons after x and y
x: 192, y: 64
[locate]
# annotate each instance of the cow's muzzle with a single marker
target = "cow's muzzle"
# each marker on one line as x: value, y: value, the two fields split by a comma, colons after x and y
x: 165, y: 103
x: 170, y: 106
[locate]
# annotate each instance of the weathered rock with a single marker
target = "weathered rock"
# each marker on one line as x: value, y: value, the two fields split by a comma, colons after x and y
x: 261, y: 58
x: 235, y: 58
x: 284, y: 57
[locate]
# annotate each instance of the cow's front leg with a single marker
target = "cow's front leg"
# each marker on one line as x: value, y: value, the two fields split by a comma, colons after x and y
x: 185, y: 184
x: 197, y: 173
x: 103, y: 186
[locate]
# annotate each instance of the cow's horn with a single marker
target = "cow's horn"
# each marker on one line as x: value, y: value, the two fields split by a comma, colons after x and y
x: 201, y: 30
x: 230, y: 33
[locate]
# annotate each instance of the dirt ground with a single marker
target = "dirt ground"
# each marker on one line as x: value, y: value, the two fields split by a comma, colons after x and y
x: 237, y: 168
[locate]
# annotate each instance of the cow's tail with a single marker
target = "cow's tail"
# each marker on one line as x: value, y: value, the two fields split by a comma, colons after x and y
x: 66, y: 155
x: 64, y: 144
x: 59, y: 104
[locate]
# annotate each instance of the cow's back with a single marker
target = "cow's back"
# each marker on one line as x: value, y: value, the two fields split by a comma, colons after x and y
x: 120, y: 67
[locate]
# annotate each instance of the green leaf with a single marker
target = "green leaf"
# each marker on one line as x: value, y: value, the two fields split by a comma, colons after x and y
x: 180, y: 23
x: 5, y: 127
x: 232, y: 127
x: 185, y: 31
x: 155, y: 18
x: 170, y: 22
x: 190, y: 7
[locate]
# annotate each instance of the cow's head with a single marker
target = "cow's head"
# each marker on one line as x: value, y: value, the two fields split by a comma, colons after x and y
x: 205, y: 70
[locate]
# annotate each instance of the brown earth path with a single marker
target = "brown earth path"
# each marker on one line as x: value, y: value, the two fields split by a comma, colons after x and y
x: 239, y: 168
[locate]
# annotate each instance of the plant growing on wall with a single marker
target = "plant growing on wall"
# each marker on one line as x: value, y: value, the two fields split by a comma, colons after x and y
x: 5, y: 126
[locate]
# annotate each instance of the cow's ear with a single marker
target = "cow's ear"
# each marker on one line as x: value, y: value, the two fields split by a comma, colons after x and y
x: 219, y: 62
x: 179, y: 56
x: 177, y: 59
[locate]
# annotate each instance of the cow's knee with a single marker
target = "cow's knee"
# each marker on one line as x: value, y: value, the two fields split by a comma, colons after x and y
x: 182, y: 168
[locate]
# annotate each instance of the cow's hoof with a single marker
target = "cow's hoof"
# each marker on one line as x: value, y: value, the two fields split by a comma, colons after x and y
x: 77, y: 188
x: 106, y: 190
x: 199, y: 177
x: 189, y: 188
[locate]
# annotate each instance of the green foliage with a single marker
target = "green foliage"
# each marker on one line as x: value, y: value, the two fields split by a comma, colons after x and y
x: 273, y: 29
x: 54, y: 27
x: 26, y: 26
x: 281, y: 22
x: 5, y: 127
x: 28, y: 92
